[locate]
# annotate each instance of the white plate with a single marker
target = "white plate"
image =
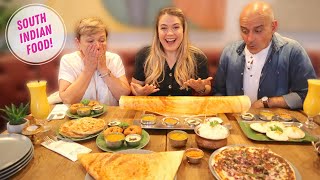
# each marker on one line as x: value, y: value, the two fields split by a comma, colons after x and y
x: 13, y: 148
x: 296, y: 172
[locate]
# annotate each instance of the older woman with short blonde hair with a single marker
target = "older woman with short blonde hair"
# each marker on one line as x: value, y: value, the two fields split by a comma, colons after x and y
x: 92, y: 72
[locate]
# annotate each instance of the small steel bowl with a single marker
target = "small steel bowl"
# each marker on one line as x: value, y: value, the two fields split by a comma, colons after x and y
x: 148, y: 119
x: 284, y: 117
x: 133, y: 140
x: 114, y: 123
x: 247, y: 116
x: 114, y: 144
x: 84, y: 111
x: 194, y: 155
x: 193, y: 121
x: 170, y: 121
x: 180, y: 141
x: 97, y: 109
x: 266, y: 115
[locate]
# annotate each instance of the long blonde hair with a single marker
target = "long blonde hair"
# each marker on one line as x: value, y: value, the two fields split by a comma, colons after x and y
x: 186, y: 66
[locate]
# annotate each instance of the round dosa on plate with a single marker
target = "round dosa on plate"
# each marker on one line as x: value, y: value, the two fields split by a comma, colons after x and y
x: 88, y: 125
x: 65, y: 130
x: 188, y: 105
x: 82, y: 127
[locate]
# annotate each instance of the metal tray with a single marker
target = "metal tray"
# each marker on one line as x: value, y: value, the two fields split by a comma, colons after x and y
x: 251, y: 134
x: 160, y: 124
x: 258, y: 117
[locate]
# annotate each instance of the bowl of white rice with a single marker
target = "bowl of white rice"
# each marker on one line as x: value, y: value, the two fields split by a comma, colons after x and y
x: 211, y: 136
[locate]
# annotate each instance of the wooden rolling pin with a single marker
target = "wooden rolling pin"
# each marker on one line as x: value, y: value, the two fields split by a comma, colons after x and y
x: 188, y: 105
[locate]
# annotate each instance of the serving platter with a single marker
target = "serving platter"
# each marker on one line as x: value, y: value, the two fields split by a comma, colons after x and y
x: 75, y: 116
x: 60, y: 136
x: 184, y: 122
x: 276, y: 117
x: 214, y: 173
x: 101, y: 143
x: 256, y: 136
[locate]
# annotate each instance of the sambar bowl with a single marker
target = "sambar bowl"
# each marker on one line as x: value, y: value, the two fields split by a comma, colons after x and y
x: 84, y: 111
x: 178, y: 138
x: 194, y: 155
x: 114, y: 140
x: 266, y: 115
x: 148, y: 119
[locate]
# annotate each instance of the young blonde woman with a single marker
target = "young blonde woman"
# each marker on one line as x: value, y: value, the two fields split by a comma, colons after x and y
x: 171, y: 66
x: 92, y: 72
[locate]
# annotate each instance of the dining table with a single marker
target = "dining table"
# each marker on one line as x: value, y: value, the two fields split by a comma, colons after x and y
x: 47, y: 164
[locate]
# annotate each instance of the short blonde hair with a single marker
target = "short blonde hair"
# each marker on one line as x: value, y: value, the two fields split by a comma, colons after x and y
x: 90, y: 26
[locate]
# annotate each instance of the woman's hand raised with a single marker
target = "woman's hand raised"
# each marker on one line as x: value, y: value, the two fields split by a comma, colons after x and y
x: 102, y: 66
x: 90, y: 58
x: 145, y: 90
x: 201, y: 86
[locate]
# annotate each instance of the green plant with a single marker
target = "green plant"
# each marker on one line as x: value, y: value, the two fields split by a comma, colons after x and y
x: 15, y: 114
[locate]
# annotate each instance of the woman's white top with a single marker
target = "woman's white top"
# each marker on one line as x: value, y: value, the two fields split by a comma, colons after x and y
x: 71, y: 65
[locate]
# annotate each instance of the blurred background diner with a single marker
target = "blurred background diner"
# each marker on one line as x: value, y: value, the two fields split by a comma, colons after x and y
x: 213, y: 25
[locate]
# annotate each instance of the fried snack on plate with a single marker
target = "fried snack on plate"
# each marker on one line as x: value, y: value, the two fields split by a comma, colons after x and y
x: 133, y: 129
x: 93, y: 103
x: 74, y: 107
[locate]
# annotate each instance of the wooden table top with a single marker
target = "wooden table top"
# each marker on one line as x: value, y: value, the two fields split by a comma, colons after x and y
x: 47, y: 164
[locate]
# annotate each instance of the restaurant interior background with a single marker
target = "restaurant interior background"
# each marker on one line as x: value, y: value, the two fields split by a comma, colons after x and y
x: 214, y: 24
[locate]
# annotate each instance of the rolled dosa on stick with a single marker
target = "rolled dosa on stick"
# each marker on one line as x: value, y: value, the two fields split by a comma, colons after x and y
x: 187, y: 105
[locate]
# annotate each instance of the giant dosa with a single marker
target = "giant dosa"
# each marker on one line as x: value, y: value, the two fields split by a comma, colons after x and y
x: 153, y: 166
x: 187, y: 105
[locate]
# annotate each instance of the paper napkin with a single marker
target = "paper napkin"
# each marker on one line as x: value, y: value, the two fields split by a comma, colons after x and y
x: 58, y: 112
x: 68, y: 149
